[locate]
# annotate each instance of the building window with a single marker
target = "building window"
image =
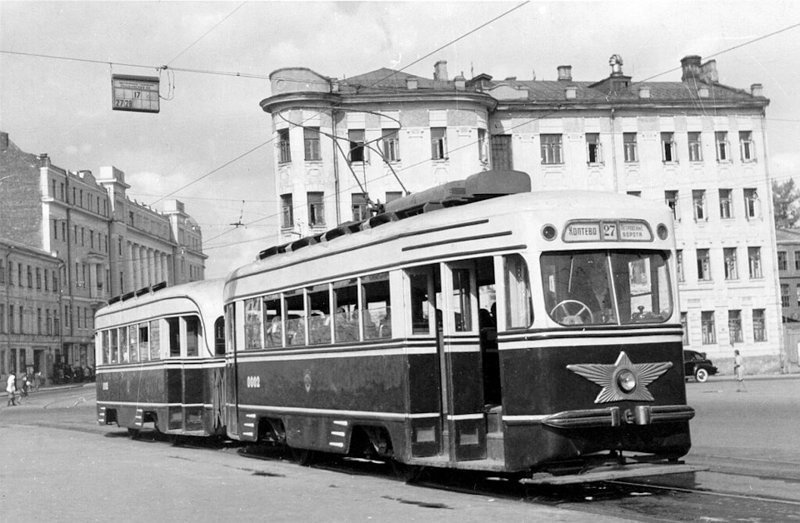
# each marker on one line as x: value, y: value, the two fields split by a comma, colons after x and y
x: 287, y: 211
x: 797, y: 260
x: 551, y: 149
x: 284, y: 149
x: 2, y: 272
x: 695, y: 147
x: 11, y: 319
x: 501, y: 152
x: 735, y: 326
x: 360, y: 207
x: 393, y: 195
x: 685, y: 326
x: 703, y: 265
x: 699, y: 204
x: 708, y: 327
x: 29, y: 273
x: 357, y: 151
x: 311, y: 144
x: 391, y: 145
x: 679, y: 263
x: 438, y: 143
x: 759, y: 325
x: 669, y: 153
x: 726, y: 204
x: 782, y: 263
x: 38, y: 278
x: 594, y: 149
x: 754, y: 257
x: 731, y: 266
x: 796, y: 292
x: 316, y: 209
x: 630, y: 148
x: 483, y: 155
x: 671, y: 199
x: 723, y: 148
x: 785, y: 294
x: 746, y: 146
x: 752, y: 204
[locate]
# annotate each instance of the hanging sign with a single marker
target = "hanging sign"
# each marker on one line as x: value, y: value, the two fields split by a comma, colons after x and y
x: 135, y: 93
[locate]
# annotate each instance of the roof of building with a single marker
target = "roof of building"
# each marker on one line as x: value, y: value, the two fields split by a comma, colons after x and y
x: 386, y: 80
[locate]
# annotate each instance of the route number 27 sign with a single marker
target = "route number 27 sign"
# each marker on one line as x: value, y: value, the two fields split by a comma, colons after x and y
x: 135, y: 93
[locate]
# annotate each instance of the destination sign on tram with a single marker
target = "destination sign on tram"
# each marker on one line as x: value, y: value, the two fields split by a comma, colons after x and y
x: 607, y: 231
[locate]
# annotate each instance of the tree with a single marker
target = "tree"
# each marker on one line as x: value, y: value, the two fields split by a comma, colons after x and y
x: 785, y: 198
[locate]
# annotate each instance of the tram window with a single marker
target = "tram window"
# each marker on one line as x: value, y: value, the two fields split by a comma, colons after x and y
x: 144, y: 343
x: 319, y: 313
x: 193, y: 335
x: 345, y: 321
x: 425, y: 289
x: 376, y: 306
x: 174, y: 336
x: 155, y: 340
x: 272, y: 321
x: 252, y: 324
x: 608, y: 287
x: 219, y: 337
x: 230, y: 326
x: 113, y: 345
x: 295, y: 318
x: 462, y: 300
x: 519, y: 310
x: 123, y: 345
x: 104, y: 336
x: 133, y: 343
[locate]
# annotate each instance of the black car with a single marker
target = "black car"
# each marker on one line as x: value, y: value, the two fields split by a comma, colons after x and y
x: 696, y: 364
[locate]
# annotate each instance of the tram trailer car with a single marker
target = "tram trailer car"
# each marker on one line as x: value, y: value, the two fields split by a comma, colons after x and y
x: 160, y: 354
x: 533, y: 334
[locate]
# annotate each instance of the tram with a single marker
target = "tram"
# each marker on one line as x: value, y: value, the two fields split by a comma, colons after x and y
x: 161, y: 360
x: 474, y: 326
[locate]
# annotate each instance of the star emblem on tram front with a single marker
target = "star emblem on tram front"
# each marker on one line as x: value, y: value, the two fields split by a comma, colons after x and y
x: 615, y: 378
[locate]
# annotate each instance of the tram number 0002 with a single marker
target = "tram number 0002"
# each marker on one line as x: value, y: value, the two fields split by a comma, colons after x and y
x: 253, y: 382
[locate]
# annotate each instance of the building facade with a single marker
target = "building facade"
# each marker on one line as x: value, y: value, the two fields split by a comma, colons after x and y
x: 30, y: 321
x: 103, y: 243
x: 343, y: 146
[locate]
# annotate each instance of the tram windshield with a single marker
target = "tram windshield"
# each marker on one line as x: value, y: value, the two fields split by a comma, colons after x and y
x: 607, y: 287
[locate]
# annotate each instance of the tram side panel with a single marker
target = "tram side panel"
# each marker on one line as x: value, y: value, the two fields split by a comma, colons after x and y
x: 319, y: 400
x: 132, y: 396
x: 537, y: 383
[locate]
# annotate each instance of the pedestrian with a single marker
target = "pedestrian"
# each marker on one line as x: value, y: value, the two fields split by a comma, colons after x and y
x: 11, y: 388
x: 738, y: 371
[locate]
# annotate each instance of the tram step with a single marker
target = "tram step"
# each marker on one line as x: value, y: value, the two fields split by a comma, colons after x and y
x: 495, y: 448
x: 494, y: 419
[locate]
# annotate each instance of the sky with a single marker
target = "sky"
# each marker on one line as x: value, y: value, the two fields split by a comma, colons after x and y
x: 210, y: 144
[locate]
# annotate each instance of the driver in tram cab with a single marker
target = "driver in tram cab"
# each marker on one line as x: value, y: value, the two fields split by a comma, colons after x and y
x: 594, y: 291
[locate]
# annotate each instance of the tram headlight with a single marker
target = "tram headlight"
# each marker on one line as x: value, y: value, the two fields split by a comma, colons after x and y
x: 549, y: 232
x: 626, y: 381
x: 662, y: 231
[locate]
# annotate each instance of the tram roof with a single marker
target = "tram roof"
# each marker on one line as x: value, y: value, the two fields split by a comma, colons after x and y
x: 207, y: 294
x: 556, y: 207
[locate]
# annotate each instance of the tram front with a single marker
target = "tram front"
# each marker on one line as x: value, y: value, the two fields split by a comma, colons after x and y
x: 597, y: 381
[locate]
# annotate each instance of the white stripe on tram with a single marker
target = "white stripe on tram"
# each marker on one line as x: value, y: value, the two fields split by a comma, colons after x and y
x: 587, y: 341
x: 332, y: 412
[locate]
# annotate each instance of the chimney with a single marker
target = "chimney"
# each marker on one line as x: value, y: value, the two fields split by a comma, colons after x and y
x: 44, y: 160
x: 440, y: 70
x: 411, y: 83
x: 708, y: 72
x: 564, y: 73
x: 461, y: 82
x: 757, y: 90
x: 3, y: 141
x: 691, y: 67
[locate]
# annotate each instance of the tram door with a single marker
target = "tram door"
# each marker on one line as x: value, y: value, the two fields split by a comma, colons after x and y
x: 461, y: 361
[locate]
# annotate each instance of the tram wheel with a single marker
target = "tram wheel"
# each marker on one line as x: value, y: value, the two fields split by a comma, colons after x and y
x: 134, y: 433
x: 701, y: 375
